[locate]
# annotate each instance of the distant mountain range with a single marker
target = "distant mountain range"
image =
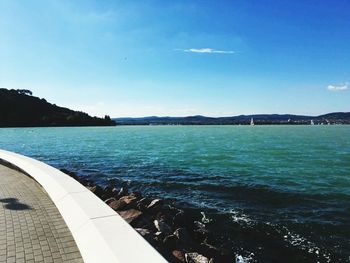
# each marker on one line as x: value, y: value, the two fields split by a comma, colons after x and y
x: 18, y: 108
x: 331, y: 118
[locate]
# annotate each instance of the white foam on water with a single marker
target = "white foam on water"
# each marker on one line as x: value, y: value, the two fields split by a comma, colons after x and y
x: 244, y: 259
x: 205, y: 220
x: 239, y: 259
x: 297, y: 240
x: 240, y: 217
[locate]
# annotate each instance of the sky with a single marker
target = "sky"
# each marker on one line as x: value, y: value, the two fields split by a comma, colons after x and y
x: 179, y: 58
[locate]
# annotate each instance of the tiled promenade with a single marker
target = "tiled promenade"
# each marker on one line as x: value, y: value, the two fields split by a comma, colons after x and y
x: 31, y: 227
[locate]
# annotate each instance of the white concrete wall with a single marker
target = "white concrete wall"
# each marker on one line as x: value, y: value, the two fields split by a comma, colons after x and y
x: 101, y: 234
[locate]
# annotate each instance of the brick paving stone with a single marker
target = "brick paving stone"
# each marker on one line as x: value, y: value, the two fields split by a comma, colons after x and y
x: 31, y: 227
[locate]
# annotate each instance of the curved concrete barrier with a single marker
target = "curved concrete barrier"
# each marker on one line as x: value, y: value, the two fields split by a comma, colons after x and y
x: 100, y: 233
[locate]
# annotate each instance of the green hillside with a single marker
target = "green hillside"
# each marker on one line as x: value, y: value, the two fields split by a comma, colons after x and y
x: 18, y: 108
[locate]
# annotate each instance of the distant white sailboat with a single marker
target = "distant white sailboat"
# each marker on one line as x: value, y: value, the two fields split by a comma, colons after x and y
x: 252, y: 122
x: 312, y: 122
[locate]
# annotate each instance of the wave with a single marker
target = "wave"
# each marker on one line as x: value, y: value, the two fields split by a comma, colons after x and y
x: 252, y: 219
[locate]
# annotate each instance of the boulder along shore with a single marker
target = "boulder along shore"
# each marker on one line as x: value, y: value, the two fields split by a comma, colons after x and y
x: 178, y: 234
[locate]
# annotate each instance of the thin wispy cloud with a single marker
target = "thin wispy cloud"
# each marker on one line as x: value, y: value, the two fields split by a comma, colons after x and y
x: 341, y: 87
x: 207, y: 50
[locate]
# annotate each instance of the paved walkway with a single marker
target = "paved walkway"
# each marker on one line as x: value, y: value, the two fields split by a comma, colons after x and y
x: 31, y: 227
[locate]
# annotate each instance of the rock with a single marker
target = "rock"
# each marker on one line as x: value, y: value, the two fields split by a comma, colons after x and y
x: 209, y: 250
x: 195, y: 258
x: 165, y: 215
x: 112, y: 182
x: 136, y: 194
x: 115, y: 192
x: 170, y: 241
x: 224, y: 256
x: 162, y: 226
x: 143, y: 231
x: 70, y: 173
x: 183, y: 236
x: 225, y: 252
x: 122, y: 192
x: 96, y: 189
x: 180, y: 219
x: 84, y: 181
x: 179, y: 255
x: 124, y: 202
x: 155, y: 204
x: 107, y: 193
x: 117, y: 205
x: 143, y: 222
x: 159, y: 237
x: 128, y: 199
x: 142, y: 204
x: 110, y: 200
x: 130, y: 215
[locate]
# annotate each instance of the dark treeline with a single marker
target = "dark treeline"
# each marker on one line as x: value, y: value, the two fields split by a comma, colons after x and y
x: 18, y: 108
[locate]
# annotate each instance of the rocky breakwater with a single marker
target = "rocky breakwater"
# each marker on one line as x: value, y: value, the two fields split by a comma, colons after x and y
x: 179, y: 235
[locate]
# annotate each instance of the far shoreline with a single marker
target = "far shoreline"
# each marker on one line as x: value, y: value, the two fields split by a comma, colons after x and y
x: 168, y: 125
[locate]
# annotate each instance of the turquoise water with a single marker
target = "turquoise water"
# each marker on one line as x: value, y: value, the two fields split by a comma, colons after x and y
x: 292, y: 177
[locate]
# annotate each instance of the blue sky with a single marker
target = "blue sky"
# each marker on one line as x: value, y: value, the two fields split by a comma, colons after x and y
x: 178, y: 58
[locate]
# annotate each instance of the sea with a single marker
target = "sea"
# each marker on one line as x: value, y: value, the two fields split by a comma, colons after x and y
x: 270, y: 193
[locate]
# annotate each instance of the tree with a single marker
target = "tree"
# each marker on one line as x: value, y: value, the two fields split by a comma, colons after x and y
x: 25, y: 92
